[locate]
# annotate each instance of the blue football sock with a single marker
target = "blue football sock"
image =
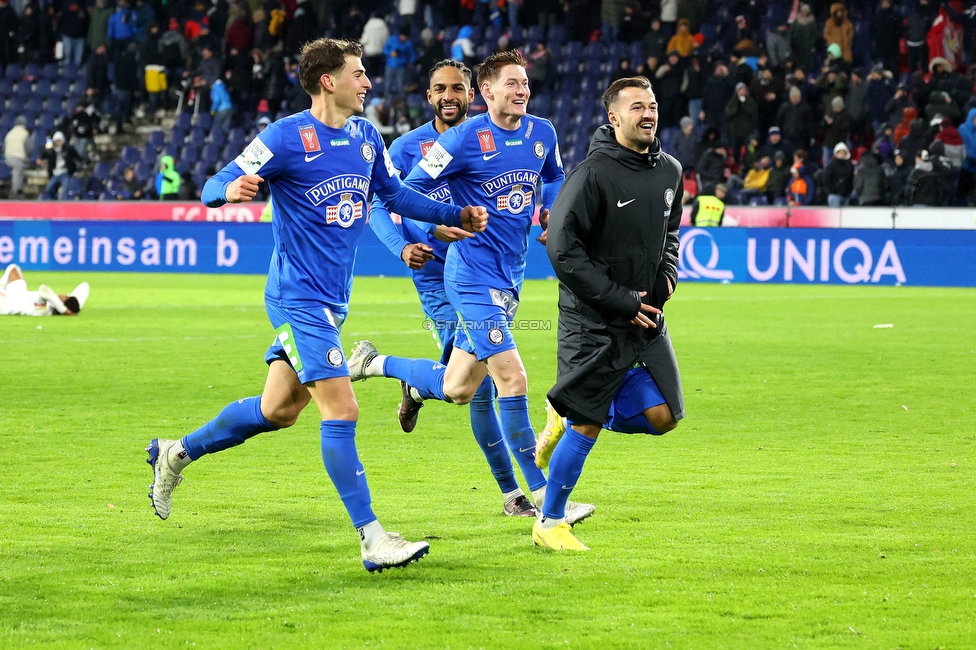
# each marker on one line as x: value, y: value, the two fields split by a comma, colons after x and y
x: 423, y: 374
x: 565, y: 468
x: 238, y: 421
x: 521, y: 438
x: 345, y: 470
x: 487, y: 430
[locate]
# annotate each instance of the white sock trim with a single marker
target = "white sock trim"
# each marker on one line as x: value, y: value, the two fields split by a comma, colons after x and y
x: 370, y: 534
x: 374, y: 368
x: 548, y: 523
x: 511, y: 496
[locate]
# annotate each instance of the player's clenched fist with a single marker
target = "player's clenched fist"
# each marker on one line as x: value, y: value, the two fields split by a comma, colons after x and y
x: 474, y: 218
x: 243, y: 189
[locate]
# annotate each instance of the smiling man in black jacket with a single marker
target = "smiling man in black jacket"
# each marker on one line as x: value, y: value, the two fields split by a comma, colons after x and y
x: 613, y: 242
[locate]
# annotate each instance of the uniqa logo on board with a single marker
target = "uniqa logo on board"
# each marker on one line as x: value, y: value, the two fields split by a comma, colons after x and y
x: 688, y: 264
x: 795, y: 261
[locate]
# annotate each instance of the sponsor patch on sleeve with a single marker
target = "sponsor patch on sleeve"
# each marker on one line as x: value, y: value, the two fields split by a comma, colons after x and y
x: 436, y: 160
x: 254, y: 157
x: 390, y: 167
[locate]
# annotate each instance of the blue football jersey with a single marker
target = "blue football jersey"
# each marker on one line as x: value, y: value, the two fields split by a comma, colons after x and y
x: 484, y: 164
x: 406, y: 151
x: 321, y: 181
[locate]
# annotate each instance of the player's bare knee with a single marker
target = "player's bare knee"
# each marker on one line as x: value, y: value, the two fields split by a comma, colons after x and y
x: 459, y: 394
x: 660, y: 418
x: 512, y: 382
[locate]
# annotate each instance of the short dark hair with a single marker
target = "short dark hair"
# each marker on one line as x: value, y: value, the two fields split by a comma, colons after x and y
x: 72, y: 304
x: 451, y: 63
x: 613, y: 91
x: 324, y: 56
x: 491, y: 67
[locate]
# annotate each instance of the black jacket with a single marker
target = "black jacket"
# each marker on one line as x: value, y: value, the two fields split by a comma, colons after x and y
x: 71, y: 159
x: 613, y: 232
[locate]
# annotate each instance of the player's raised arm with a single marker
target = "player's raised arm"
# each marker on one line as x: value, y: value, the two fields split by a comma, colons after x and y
x: 238, y: 181
x: 570, y: 222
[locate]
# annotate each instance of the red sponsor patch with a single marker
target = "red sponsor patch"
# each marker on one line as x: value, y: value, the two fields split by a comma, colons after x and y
x: 309, y: 139
x: 486, y: 140
x: 425, y: 147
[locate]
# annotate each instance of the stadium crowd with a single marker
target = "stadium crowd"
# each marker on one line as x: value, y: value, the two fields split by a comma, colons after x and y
x: 778, y: 101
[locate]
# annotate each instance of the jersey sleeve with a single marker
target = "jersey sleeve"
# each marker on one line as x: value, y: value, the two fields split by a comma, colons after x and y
x: 572, y: 219
x: 552, y: 175
x: 383, y: 227
x: 257, y: 158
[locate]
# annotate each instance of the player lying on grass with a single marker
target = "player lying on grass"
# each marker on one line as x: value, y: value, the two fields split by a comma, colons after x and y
x: 16, y: 300
x: 494, y: 159
x: 322, y: 165
x: 613, y: 242
x: 420, y: 247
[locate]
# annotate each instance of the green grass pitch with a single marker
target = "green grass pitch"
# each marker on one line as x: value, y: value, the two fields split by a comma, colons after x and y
x: 819, y: 493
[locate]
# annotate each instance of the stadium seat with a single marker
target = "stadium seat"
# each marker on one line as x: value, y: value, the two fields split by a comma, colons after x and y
x: 129, y: 156
x: 42, y: 88
x: 557, y: 34
x: 34, y: 104
x: 517, y: 34
x: 93, y: 188
x: 6, y: 88
x: 157, y: 139
x: 450, y: 34
x: 183, y: 122
x: 636, y: 53
x: 76, y: 186
x: 7, y: 121
x: 101, y: 170
x: 229, y: 152
x: 237, y: 139
x: 4, y: 172
x: 176, y: 137
x: 189, y: 153
x: 209, y: 154
x: 477, y: 33
x: 50, y: 71
x: 492, y: 34
x: 13, y: 71
x: 62, y: 87
x: 593, y: 68
x: 594, y: 51
x: 148, y: 154
x: 203, y: 121
x: 32, y: 71
x: 540, y: 104
x: 573, y: 49
x: 81, y: 74
x: 534, y: 34
x: 217, y: 137
x: 69, y: 71
x: 45, y: 123
x: 69, y: 105
x: 29, y: 120
x: 198, y: 137
x: 143, y: 171
x: 23, y: 88
x: 182, y: 166
x: 170, y: 150
x: 617, y: 50
x: 15, y: 105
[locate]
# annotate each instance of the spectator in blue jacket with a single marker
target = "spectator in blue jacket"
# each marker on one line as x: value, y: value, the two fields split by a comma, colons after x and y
x: 121, y: 29
x: 881, y: 90
x: 967, y: 179
x: 399, y: 56
x: 221, y: 106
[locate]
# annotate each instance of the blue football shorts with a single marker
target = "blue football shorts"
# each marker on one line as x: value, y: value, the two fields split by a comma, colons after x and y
x: 637, y: 393
x: 485, y: 314
x: 442, y: 320
x: 308, y: 339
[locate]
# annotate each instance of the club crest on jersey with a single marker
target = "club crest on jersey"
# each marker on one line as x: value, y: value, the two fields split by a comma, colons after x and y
x: 539, y: 149
x: 367, y: 151
x: 495, y: 336
x: 345, y: 212
x: 486, y: 140
x: 515, y: 201
x: 310, y: 140
x: 425, y: 146
x: 668, y: 196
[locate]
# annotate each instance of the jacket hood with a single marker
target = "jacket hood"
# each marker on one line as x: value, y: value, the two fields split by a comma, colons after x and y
x: 917, y: 128
x: 837, y: 5
x: 465, y: 32
x: 908, y: 114
x: 949, y: 134
x: 869, y: 161
x: 604, y: 142
x: 166, y: 160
